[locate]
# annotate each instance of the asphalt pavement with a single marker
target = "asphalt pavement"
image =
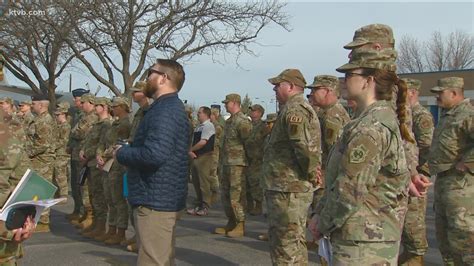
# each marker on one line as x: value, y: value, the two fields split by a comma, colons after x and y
x: 195, y: 244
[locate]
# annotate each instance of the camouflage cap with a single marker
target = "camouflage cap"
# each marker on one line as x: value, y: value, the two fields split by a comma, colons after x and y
x: 271, y: 117
x: 448, y: 83
x: 62, y: 107
x: 289, y: 75
x: 233, y: 97
x: 414, y: 84
x: 257, y: 107
x: 373, y: 33
x: 188, y: 108
x: 25, y: 102
x: 102, y: 101
x: 138, y: 87
x: 325, y: 81
x: 117, y: 101
x: 88, y: 97
x: 6, y: 100
x: 383, y: 60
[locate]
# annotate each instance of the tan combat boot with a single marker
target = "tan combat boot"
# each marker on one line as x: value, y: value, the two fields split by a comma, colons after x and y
x: 223, y: 230
x: 111, y: 232
x: 87, y: 221
x: 89, y: 228
x: 42, y: 228
x: 238, y: 230
x: 99, y: 229
x: 257, y: 209
x: 129, y: 241
x: 117, y: 238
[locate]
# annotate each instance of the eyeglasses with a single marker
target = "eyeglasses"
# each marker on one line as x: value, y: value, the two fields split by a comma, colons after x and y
x: 351, y: 74
x: 152, y: 70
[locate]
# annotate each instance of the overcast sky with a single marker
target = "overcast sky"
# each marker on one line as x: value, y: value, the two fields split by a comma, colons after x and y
x: 314, y: 45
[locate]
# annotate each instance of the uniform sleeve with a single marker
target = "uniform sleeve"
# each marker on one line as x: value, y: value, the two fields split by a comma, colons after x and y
x: 41, y: 139
x: 84, y: 125
x: 302, y: 135
x: 101, y: 146
x: 361, y: 161
x: 468, y: 154
x: 424, y: 135
x: 245, y: 128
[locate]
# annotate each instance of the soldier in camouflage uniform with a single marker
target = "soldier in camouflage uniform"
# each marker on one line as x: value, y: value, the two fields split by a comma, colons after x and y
x: 118, y: 210
x: 254, y: 149
x: 73, y: 148
x: 215, y: 179
x: 40, y: 149
x: 78, y: 134
x: 12, y: 151
x: 289, y: 175
x: 96, y: 176
x: 414, y: 240
x: 25, y: 116
x: 61, y: 171
x: 332, y: 117
x: 364, y: 204
x: 139, y: 97
x: 452, y: 161
x: 233, y: 162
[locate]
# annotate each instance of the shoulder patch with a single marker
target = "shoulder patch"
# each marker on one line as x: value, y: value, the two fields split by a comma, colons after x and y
x: 295, y: 119
x: 358, y: 154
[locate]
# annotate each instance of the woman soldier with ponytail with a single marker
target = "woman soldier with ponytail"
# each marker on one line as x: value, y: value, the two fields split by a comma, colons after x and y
x: 367, y: 177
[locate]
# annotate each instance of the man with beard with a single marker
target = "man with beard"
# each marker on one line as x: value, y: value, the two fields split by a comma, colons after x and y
x: 157, y: 162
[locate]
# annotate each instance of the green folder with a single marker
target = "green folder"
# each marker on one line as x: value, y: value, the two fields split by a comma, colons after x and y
x: 32, y: 187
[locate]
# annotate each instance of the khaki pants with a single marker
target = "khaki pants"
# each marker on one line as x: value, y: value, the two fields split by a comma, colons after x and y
x: 202, y: 179
x: 155, y: 236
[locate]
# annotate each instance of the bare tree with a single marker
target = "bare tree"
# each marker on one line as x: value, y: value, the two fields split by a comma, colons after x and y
x: 410, y: 55
x: 123, y: 34
x: 34, y: 53
x: 456, y: 51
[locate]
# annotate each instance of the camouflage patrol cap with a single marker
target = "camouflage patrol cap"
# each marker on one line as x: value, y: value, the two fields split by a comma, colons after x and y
x: 271, y: 117
x: 257, y: 107
x: 448, y: 83
x: 383, y: 60
x: 414, y: 84
x: 138, y: 87
x: 6, y: 100
x: 233, y: 97
x: 329, y: 81
x: 102, y: 101
x: 188, y: 108
x: 25, y: 102
x: 373, y: 33
x: 117, y: 101
x: 88, y: 97
x: 62, y: 107
x: 289, y: 75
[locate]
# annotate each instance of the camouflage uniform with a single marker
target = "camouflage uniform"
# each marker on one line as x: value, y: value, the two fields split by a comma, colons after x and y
x: 254, y: 148
x: 366, y: 181
x: 414, y: 240
x: 215, y: 178
x: 12, y: 151
x: 290, y: 161
x: 118, y: 211
x: 233, y: 163
x: 96, y: 177
x: 79, y: 133
x: 41, y: 149
x: 61, y: 171
x: 453, y: 142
